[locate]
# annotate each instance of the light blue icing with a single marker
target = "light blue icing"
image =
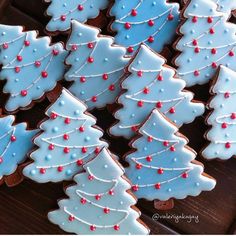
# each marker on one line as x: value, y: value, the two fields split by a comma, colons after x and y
x: 223, y: 129
x: 107, y: 176
x: 173, y: 163
x: 63, y: 11
x: 226, y: 5
x: 60, y: 163
x: 109, y: 61
x: 15, y: 143
x: 29, y: 77
x: 198, y: 68
x: 162, y: 31
x: 168, y: 92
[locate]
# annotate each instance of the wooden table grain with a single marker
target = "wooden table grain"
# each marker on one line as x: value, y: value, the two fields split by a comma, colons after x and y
x: 24, y: 208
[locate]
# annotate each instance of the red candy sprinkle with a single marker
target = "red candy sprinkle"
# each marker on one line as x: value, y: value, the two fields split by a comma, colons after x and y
x: 160, y: 78
x: 17, y: 69
x: 105, y: 76
x: 90, y: 60
x: 60, y: 169
x: 63, y: 18
x: 97, y: 150
x: 209, y: 19
x: 98, y: 197
x: 231, y: 53
x: 67, y: 121
x: 134, y: 12
x: 23, y: 93
x: 233, y: 116
x: 159, y: 105
x: 82, y: 79
x: 197, y: 50
x: 134, y: 128
x: 151, y: 23
x: 151, y: 39
x: 5, y: 46
x: 172, y: 149
x: 140, y: 103
x: 66, y: 150
x: 112, y: 87
x: 135, y: 188
x: 71, y: 218
x: 13, y: 138
x: 140, y: 73
x: 127, y: 25
x: 90, y: 45
x: 214, y: 65
x: 195, y: 43
x: 149, y: 158
x: 53, y: 116
x: 185, y: 175
x: 55, y: 52
x: 213, y: 51
x: 80, y: 8
x: 74, y: 47
x: 84, y: 150
x: 42, y: 171
x: 212, y: 31
x: 66, y: 136
x: 130, y: 49
x: 90, y: 178
x: 150, y: 139
x: 194, y: 20
x: 196, y: 73
x: 37, y: 63
x: 158, y: 186
x: 224, y: 126
x: 227, y: 145
x: 160, y: 171
x: 19, y: 58
x: 227, y: 95
x: 27, y: 43
x: 170, y: 17
x: 106, y: 210
x: 166, y: 143
x: 111, y: 192
x: 172, y: 110
x: 92, y: 227
x: 44, y: 74
x: 94, y: 99
x: 116, y: 227
x: 146, y: 90
x: 80, y: 162
x: 1, y: 160
x: 139, y: 166
x: 83, y: 201
x: 51, y: 147
x: 81, y: 129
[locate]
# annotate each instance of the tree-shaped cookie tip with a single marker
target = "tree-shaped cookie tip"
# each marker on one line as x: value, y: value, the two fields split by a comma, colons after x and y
x: 68, y: 140
x: 152, y: 84
x: 99, y: 202
x: 30, y: 65
x: 162, y: 166
x: 96, y: 66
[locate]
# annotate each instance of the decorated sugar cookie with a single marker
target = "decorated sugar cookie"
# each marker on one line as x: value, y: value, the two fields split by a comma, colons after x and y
x: 68, y: 140
x: 162, y: 166
x: 99, y: 202
x: 222, y: 119
x: 63, y: 11
x: 207, y: 41
x: 15, y: 143
x: 144, y: 21
x: 30, y: 65
x: 96, y: 66
x: 152, y: 84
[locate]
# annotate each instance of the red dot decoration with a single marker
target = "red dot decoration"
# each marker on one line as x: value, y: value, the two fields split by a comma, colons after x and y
x: 172, y: 149
x: 27, y: 43
x: 63, y: 17
x: 53, y: 116
x: 90, y: 178
x: 37, y: 63
x: 151, y: 23
x: 116, y: 227
x: 157, y: 186
x: 23, y: 93
x: 94, y: 99
x: 159, y: 105
x: 55, y: 52
x: 134, y: 128
x: 194, y: 19
x: 83, y: 201
x: 197, y: 50
x: 139, y: 166
x: 195, y: 42
x: 214, y: 65
x: 67, y: 121
x: 97, y: 150
x: 80, y: 8
x: 1, y: 160
x: 13, y: 138
x: 112, y: 87
x: 134, y: 12
x: 66, y: 150
x: 17, y: 69
x: 111, y: 192
x: 150, y: 139
x: 81, y: 129
x: 92, y: 227
x: 130, y: 49
x: 160, y: 171
x: 140, y: 103
x: 224, y: 126
x: 231, y: 53
x: 80, y: 162
x: 106, y: 210
x: 84, y: 149
x: 90, y: 45
x: 146, y: 90
x: 209, y: 20
x: 227, y: 95
x: 140, y: 73
x: 44, y: 74
x: 228, y: 145
x: 71, y: 218
x: 127, y: 25
x: 60, y: 169
x: 196, y: 73
x: 170, y: 17
x: 105, y: 76
x: 185, y: 175
x: 233, y: 116
x: 66, y: 137
x: 82, y: 79
x: 98, y: 197
x: 149, y: 159
x: 51, y: 147
x: 166, y: 143
x: 19, y: 58
x: 74, y: 47
x: 213, y: 51
x: 135, y: 188
x: 211, y: 31
x: 172, y: 110
x: 151, y: 39
x: 42, y: 171
x: 5, y: 46
x: 90, y: 60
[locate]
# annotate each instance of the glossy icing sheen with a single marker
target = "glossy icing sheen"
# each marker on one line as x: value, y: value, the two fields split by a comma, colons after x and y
x: 15, y: 143
x: 208, y: 40
x: 68, y: 141
x: 161, y: 167
x: 144, y: 21
x: 63, y: 11
x: 97, y: 66
x: 226, y: 5
x: 99, y: 203
x: 151, y: 85
x: 222, y: 135
x: 30, y: 65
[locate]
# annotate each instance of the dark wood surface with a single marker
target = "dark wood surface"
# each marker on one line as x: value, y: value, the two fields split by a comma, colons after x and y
x: 23, y: 209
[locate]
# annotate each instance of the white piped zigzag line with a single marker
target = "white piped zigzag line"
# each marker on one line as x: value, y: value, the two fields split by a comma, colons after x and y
x: 12, y: 132
x: 200, y: 16
x: 158, y: 139
x: 70, y: 117
x: 223, y: 117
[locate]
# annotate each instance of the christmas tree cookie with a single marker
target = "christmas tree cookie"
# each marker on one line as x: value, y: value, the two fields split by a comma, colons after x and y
x: 207, y: 41
x: 222, y: 119
x: 150, y: 22
x: 96, y: 66
x: 63, y: 11
x: 99, y: 203
x: 163, y: 166
x: 30, y: 65
x: 69, y: 140
x: 15, y: 143
x: 152, y: 84
x: 226, y: 5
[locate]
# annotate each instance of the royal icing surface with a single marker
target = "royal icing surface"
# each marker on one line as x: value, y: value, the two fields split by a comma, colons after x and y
x: 208, y: 40
x: 68, y: 141
x: 226, y: 5
x: 30, y: 65
x: 15, y: 143
x: 152, y: 84
x: 63, y: 11
x: 144, y: 21
x: 96, y: 66
x: 99, y: 202
x: 161, y: 166
x: 222, y: 135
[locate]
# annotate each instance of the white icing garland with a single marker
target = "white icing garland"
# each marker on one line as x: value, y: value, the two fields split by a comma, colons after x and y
x: 70, y: 117
x: 223, y: 117
x: 12, y: 132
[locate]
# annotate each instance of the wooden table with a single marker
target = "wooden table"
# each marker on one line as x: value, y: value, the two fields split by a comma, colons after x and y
x: 23, y: 209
